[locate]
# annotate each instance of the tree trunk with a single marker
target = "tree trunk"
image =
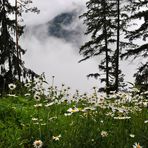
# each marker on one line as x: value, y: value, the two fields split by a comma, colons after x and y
x: 17, y: 38
x: 106, y: 47
x: 118, y: 48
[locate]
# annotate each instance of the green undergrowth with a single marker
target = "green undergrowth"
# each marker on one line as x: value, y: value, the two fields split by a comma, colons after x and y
x: 21, y: 123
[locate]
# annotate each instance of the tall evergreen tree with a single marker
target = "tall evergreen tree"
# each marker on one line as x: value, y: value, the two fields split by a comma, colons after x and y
x: 141, y: 77
x: 138, y: 11
x: 117, y: 52
x: 101, y: 27
x: 12, y: 67
x: 8, y: 56
x: 21, y: 6
x: 105, y: 21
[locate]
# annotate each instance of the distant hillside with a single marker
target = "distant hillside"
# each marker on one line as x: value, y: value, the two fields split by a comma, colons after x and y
x: 65, y: 26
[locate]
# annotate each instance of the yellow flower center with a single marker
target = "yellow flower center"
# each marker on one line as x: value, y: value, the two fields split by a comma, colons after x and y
x: 37, y: 143
x: 138, y: 146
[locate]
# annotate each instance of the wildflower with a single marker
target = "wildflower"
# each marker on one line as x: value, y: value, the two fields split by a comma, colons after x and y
x: 34, y: 119
x: 67, y: 114
x: 146, y: 121
x: 104, y: 134
x: 12, y: 86
x: 135, y: 90
x: 73, y: 110
x: 27, y: 85
x: 101, y: 121
x: 52, y: 118
x: 122, y: 118
x: 27, y: 94
x: 88, y: 108
x: 49, y: 104
x: 145, y: 104
x: 146, y: 92
x: 110, y: 114
x: 37, y: 97
x: 13, y: 107
x: 132, y: 135
x: 43, y: 124
x: 38, y: 105
x: 37, y: 143
x: 94, y: 88
x: 36, y: 123
x: 56, y: 138
x: 137, y: 145
x: 22, y: 124
x: 12, y: 95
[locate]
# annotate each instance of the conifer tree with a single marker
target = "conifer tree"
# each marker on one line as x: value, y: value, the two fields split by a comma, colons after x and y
x: 11, y: 64
x: 105, y: 21
x: 139, y: 12
x: 117, y: 52
x: 101, y: 28
x: 141, y: 77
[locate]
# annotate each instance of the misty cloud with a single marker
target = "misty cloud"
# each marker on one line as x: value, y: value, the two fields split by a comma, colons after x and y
x: 50, y: 9
x: 56, y: 55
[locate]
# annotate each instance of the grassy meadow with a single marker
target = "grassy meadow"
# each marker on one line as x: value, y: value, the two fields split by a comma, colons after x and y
x: 58, y: 119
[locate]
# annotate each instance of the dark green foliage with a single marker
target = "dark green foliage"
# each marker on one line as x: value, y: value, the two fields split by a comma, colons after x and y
x: 78, y: 130
x: 101, y: 28
x: 139, y: 12
x: 8, y: 53
x: 105, y: 20
x: 141, y: 77
x: 11, y: 64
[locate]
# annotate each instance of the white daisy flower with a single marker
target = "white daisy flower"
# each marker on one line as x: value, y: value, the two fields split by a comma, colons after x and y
x: 73, y: 110
x: 38, y: 105
x: 12, y: 95
x: 137, y: 145
x: 49, y: 104
x: 37, y: 97
x: 132, y: 135
x: 121, y: 118
x: 11, y: 86
x: 37, y: 143
x: 56, y: 138
x: 27, y: 94
x: 27, y: 85
x: 67, y: 114
x: 104, y: 134
x: 34, y: 119
x: 146, y: 121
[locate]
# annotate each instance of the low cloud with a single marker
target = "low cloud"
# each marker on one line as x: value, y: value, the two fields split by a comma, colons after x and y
x: 56, y: 56
x: 50, y: 9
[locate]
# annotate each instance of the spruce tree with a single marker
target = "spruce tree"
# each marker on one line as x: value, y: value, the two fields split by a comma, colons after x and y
x: 141, y: 77
x: 11, y: 64
x: 117, y: 52
x: 139, y: 12
x: 105, y: 21
x: 100, y: 26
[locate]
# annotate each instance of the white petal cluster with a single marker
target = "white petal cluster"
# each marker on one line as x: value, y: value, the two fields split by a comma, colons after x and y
x: 37, y: 143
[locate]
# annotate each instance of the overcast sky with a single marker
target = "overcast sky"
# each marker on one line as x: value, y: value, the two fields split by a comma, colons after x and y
x: 54, y: 56
x: 58, y: 57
